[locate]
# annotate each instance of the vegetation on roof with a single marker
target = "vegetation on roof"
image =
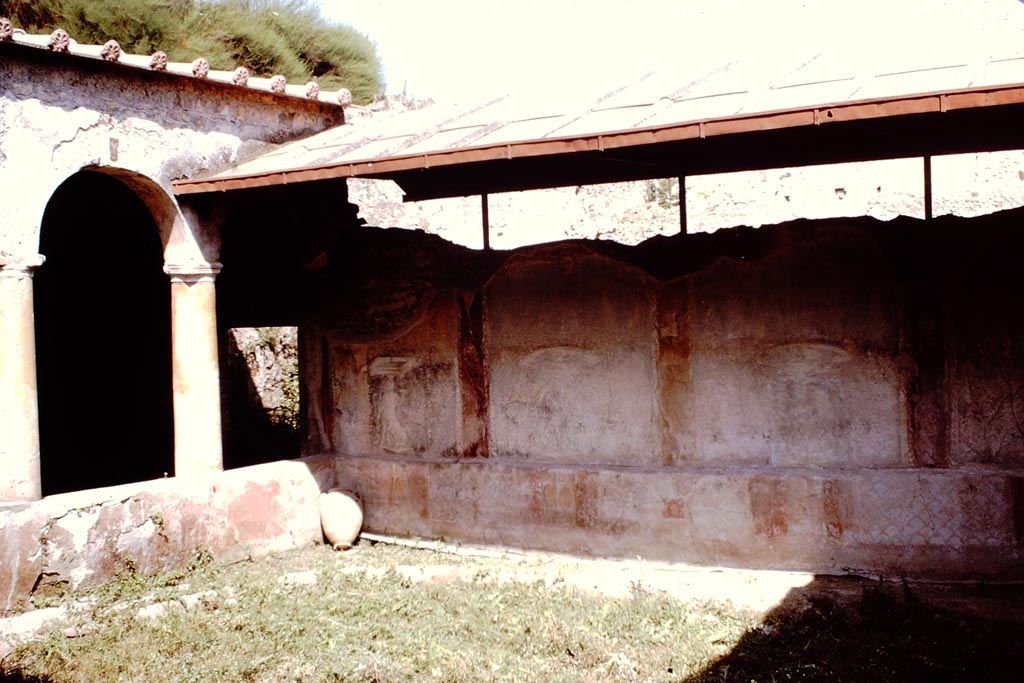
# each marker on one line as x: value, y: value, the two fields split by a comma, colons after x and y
x: 287, y: 37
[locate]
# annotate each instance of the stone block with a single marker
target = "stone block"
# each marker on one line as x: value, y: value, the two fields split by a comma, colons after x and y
x: 322, y: 469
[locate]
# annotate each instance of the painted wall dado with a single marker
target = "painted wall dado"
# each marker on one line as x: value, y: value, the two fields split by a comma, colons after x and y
x: 833, y: 395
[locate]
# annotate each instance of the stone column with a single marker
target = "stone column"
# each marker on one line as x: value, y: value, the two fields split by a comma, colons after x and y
x: 197, y: 432
x: 19, y: 407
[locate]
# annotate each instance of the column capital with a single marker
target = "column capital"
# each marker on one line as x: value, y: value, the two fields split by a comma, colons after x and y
x: 191, y: 273
x: 18, y: 267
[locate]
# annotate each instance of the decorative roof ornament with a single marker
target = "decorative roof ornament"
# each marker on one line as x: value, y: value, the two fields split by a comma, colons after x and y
x: 344, y: 97
x: 6, y: 30
x: 278, y: 84
x: 60, y: 41
x: 158, y: 62
x: 111, y: 51
x: 312, y: 90
x: 201, y: 68
x: 241, y: 76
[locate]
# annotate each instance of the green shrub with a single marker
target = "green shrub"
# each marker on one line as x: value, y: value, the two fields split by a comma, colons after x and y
x: 287, y: 37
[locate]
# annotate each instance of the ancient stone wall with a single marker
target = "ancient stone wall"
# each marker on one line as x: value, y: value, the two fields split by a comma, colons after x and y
x: 84, y: 539
x: 831, y: 395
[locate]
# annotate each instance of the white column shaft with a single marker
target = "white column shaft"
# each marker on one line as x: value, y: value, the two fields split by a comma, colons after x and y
x: 197, y: 427
x: 19, y: 406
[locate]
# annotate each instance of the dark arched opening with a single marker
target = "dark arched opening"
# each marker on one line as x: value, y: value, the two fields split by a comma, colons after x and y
x: 103, y: 339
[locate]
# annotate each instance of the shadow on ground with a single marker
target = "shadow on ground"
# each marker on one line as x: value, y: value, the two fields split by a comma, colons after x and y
x: 18, y: 677
x: 833, y: 629
x: 838, y: 629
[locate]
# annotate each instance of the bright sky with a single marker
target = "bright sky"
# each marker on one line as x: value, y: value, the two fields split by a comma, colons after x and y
x: 458, y: 50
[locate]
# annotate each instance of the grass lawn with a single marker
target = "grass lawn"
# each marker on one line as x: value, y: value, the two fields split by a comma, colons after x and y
x: 386, y: 613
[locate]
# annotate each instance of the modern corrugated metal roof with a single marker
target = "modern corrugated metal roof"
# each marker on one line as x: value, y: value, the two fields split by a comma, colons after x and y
x: 790, y: 110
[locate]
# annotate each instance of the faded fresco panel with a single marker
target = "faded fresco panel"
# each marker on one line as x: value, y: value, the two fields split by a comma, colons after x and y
x: 348, y: 412
x: 796, y: 405
x: 399, y: 397
x: 985, y: 371
x: 793, y: 358
x: 833, y: 407
x: 731, y: 411
x: 569, y: 405
x: 571, y: 348
x: 413, y: 405
x: 816, y: 286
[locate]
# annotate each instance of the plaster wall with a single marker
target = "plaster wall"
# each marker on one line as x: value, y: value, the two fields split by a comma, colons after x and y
x: 893, y: 523
x: 829, y: 396
x: 84, y: 539
x: 59, y: 114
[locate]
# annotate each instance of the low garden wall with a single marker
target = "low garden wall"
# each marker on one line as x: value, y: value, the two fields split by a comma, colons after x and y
x: 83, y: 539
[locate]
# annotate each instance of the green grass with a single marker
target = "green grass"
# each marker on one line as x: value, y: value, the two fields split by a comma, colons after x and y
x: 368, y: 618
x: 365, y: 621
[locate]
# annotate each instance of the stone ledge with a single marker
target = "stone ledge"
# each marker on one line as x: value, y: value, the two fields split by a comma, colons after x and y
x: 83, y: 539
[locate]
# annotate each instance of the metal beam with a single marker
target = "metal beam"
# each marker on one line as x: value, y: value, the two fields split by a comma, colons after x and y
x: 683, y: 227
x: 485, y: 215
x: 957, y: 121
x: 928, y: 206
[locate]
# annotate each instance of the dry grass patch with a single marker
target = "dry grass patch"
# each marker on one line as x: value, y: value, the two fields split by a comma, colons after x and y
x: 382, y: 613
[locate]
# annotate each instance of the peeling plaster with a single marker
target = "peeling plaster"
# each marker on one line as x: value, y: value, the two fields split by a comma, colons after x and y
x: 85, y: 538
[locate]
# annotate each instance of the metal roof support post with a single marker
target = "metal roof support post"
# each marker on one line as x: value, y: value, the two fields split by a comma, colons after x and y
x: 486, y: 217
x: 928, y: 187
x: 683, y: 229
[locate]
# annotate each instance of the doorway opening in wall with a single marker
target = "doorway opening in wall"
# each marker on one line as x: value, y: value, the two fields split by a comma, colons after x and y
x: 260, y: 395
x: 258, y: 308
x: 103, y: 339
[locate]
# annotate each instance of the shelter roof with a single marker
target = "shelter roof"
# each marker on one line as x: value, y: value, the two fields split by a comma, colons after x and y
x: 785, y: 109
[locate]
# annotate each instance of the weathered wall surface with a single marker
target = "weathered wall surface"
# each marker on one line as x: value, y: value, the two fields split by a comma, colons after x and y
x: 925, y: 523
x: 571, y: 353
x: 817, y: 395
x: 83, y: 539
x: 59, y: 114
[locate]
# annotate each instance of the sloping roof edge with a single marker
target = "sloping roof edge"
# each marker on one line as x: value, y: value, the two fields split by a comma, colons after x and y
x: 475, y: 169
x: 198, y: 71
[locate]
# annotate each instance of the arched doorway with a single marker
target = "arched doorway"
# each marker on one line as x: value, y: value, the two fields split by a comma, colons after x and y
x: 103, y: 339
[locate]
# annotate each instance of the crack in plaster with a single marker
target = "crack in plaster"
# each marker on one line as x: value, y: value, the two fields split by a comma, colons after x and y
x: 44, y: 553
x: 100, y: 121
